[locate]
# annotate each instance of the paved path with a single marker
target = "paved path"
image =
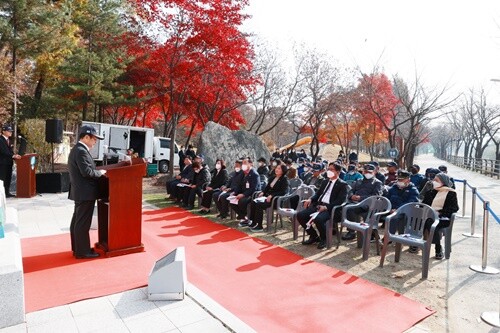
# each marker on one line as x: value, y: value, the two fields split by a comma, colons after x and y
x: 467, y: 293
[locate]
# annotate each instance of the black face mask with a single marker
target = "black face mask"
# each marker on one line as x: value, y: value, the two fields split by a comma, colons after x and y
x: 414, y: 171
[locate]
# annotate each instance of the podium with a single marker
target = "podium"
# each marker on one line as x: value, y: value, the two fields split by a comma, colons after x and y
x: 119, y: 208
x: 26, y: 178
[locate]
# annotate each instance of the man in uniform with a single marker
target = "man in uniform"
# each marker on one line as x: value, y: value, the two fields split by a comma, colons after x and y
x: 7, y: 157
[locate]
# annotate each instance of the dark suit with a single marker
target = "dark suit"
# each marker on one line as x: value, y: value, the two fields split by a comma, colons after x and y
x: 250, y: 183
x: 84, y: 192
x: 6, y: 163
x: 338, y: 196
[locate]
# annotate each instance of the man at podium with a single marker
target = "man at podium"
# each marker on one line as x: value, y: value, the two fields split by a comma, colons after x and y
x: 83, y: 190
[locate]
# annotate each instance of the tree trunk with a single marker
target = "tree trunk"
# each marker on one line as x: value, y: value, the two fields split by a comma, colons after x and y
x: 193, y: 125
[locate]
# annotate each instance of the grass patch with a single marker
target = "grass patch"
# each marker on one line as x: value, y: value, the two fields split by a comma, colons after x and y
x: 158, y: 199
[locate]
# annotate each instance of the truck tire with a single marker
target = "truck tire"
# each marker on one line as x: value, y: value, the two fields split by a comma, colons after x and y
x: 163, y: 166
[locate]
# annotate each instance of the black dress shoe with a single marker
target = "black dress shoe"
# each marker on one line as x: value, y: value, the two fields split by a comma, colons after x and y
x: 322, y: 245
x: 350, y: 235
x: 10, y: 195
x: 87, y: 256
x: 311, y: 240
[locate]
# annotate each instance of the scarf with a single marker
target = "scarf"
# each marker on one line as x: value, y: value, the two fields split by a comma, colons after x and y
x: 439, y: 199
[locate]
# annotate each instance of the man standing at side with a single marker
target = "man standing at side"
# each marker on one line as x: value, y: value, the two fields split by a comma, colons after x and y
x: 83, y: 191
x: 6, y: 159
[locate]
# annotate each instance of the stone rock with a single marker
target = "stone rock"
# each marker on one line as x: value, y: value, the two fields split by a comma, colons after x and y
x: 220, y: 142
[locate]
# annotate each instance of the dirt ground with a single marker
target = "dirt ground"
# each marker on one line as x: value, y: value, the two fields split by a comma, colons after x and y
x: 403, y: 277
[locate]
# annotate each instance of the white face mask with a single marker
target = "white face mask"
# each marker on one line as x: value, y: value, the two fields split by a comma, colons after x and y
x: 436, y: 184
x: 401, y: 184
x: 197, y: 170
x: 351, y: 172
x: 368, y: 175
x: 275, y: 164
x: 218, y: 166
x: 330, y: 174
x: 237, y: 169
x: 306, y: 169
x: 244, y: 167
x: 261, y: 164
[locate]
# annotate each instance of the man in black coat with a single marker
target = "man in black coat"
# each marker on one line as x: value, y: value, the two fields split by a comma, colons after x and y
x: 83, y: 191
x: 331, y: 193
x: 7, y: 157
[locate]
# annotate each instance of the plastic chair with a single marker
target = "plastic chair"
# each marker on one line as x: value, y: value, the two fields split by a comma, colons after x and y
x: 304, y: 193
x: 294, y: 184
x: 329, y: 226
x: 447, y: 232
x: 414, y: 216
x: 377, y: 206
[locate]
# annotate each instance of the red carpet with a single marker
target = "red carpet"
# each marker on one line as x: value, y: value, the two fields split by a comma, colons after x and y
x: 269, y: 288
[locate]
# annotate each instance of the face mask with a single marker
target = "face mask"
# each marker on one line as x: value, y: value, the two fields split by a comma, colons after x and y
x: 275, y: 164
x: 401, y: 184
x: 218, y: 166
x: 330, y: 174
x: 351, y: 172
x: 244, y: 167
x: 197, y: 170
x: 368, y: 175
x: 237, y: 169
x: 306, y: 169
x: 414, y: 171
x: 436, y: 184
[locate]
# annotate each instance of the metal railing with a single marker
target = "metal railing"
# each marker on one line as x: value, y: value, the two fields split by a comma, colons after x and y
x: 483, y: 166
x: 490, y: 317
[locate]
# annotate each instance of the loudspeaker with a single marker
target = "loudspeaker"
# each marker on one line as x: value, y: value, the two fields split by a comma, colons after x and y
x: 167, y: 280
x: 52, y: 182
x: 53, y: 130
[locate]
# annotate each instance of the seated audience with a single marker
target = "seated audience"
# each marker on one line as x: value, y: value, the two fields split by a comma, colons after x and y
x: 249, y: 185
x: 391, y: 175
x: 399, y: 194
x: 292, y: 172
x: 360, y: 190
x: 416, y: 178
x: 444, y: 169
x: 426, y: 185
x: 182, y: 177
x: 277, y: 186
x: 231, y: 188
x: 219, y: 177
x: 201, y: 177
x: 263, y: 171
x: 352, y: 175
x: 332, y: 193
x: 443, y: 199
x: 378, y: 174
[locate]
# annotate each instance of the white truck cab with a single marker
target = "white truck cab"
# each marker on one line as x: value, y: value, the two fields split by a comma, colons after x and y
x: 119, y: 138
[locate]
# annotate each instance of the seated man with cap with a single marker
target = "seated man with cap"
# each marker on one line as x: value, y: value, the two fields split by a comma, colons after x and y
x: 352, y: 174
x: 378, y: 174
x: 7, y: 157
x: 416, y: 178
x: 360, y: 190
x: 319, y: 208
x: 401, y: 193
x: 391, y: 175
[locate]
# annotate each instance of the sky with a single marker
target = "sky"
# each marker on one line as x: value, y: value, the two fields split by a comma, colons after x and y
x: 454, y: 44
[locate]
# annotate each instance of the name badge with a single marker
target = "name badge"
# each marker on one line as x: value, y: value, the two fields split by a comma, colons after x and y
x: 248, y: 185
